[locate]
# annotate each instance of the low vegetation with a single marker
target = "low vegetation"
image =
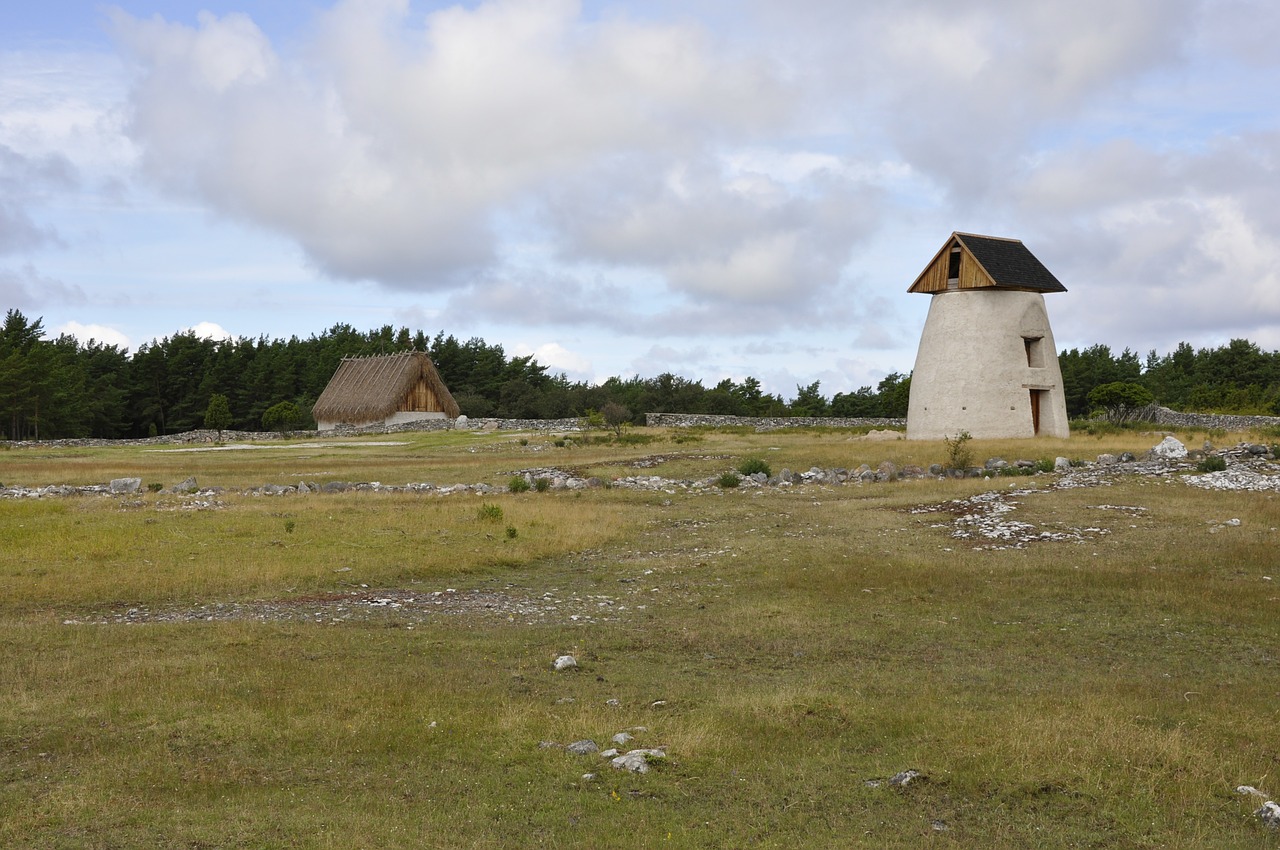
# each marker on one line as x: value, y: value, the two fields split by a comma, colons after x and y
x: 790, y: 648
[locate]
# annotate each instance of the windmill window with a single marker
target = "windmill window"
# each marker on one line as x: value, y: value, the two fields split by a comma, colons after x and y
x: 953, y: 269
x: 1035, y: 351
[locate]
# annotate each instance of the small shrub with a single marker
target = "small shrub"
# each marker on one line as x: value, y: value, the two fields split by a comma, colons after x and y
x: 959, y: 452
x: 518, y: 484
x: 729, y: 479
x: 1212, y: 463
x: 289, y: 526
x: 559, y: 444
x: 489, y: 513
x: 512, y: 534
x: 155, y: 487
x: 524, y: 441
x: 628, y: 438
x: 542, y: 485
x: 1045, y: 465
x: 686, y: 437
x: 752, y: 465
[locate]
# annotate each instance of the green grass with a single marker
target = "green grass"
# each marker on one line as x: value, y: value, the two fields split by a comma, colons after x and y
x: 792, y: 644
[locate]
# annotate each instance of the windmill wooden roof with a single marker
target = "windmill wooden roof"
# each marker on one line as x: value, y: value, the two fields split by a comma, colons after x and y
x: 985, y: 262
x: 368, y: 389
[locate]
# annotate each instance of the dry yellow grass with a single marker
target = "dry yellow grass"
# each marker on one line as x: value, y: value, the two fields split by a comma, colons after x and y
x: 785, y: 646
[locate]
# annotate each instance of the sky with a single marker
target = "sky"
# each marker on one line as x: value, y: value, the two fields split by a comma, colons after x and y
x: 713, y: 188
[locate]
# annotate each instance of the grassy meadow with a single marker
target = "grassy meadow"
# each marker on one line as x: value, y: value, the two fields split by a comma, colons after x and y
x: 783, y: 645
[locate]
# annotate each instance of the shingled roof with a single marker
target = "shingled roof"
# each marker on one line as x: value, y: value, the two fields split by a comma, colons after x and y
x: 986, y: 262
x: 368, y: 389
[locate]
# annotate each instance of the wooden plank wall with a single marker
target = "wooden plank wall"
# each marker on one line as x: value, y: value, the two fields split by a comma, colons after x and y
x: 420, y: 399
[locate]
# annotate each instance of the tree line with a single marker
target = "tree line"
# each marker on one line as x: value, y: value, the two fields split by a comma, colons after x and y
x: 57, y: 388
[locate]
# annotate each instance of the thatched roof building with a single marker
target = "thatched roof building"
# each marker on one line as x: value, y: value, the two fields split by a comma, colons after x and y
x: 388, y: 389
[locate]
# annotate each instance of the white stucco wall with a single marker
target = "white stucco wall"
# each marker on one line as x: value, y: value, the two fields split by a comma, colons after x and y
x: 395, y: 419
x: 972, y: 374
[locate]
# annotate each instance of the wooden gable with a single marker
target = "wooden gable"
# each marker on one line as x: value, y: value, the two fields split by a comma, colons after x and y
x: 967, y: 261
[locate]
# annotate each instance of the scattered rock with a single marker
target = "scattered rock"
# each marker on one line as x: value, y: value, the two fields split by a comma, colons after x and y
x: 564, y: 662
x: 184, y: 487
x: 1269, y: 814
x: 583, y: 748
x: 1250, y: 790
x: 622, y: 738
x: 905, y: 778
x: 1061, y: 464
x: 124, y: 486
x: 637, y: 761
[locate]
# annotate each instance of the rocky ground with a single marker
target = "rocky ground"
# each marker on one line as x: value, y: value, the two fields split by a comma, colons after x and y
x: 987, y: 520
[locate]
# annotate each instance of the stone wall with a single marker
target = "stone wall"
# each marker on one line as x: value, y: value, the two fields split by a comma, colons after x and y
x: 764, y: 423
x: 1208, y: 421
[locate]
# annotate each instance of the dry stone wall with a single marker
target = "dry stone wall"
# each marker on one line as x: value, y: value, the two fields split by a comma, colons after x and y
x: 765, y: 423
x: 1208, y: 421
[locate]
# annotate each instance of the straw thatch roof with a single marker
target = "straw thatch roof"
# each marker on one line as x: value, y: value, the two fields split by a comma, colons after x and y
x: 370, y: 389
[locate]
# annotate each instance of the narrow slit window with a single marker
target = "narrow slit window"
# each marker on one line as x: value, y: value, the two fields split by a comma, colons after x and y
x: 1035, y: 351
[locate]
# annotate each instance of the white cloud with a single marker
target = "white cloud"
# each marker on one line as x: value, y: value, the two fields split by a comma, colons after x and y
x: 91, y: 332
x: 208, y: 330
x: 386, y: 148
x: 556, y: 356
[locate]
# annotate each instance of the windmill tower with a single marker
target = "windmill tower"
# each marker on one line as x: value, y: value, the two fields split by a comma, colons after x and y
x: 987, y: 363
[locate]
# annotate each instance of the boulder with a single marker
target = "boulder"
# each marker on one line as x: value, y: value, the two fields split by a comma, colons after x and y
x: 125, y: 486
x: 564, y: 662
x: 184, y: 487
x: 1170, y: 448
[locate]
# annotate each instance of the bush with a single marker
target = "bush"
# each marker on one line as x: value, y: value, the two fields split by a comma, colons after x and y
x: 959, y: 452
x: 489, y: 513
x: 729, y: 479
x: 1212, y: 463
x: 615, y: 416
x: 542, y: 485
x: 155, y: 487
x: 518, y: 484
x: 512, y: 533
x: 281, y: 417
x: 752, y: 465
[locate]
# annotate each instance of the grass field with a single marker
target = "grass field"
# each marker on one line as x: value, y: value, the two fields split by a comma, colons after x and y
x: 786, y: 647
